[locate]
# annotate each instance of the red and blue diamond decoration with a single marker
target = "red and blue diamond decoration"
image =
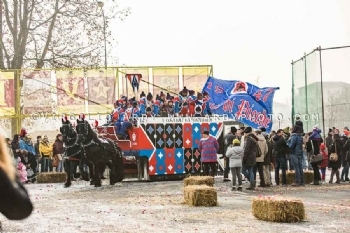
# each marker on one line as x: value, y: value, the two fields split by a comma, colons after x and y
x: 176, y: 146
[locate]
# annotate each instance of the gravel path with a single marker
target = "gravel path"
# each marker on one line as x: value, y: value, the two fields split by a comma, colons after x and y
x: 158, y: 207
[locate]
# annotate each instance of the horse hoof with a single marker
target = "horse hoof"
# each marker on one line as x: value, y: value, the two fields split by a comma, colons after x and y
x: 112, y: 183
x: 67, y: 185
x: 92, y: 183
x: 98, y: 185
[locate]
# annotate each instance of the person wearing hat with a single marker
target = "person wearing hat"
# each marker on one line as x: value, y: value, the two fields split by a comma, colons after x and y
x: 45, y: 149
x: 208, y: 147
x: 249, y: 155
x: 295, y: 144
x: 235, y: 154
x: 228, y: 139
x: 279, y: 153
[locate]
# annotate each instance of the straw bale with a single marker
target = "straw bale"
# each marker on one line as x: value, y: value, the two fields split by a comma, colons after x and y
x: 199, y: 180
x: 51, y: 177
x: 274, y: 209
x: 200, y: 195
x: 290, y: 177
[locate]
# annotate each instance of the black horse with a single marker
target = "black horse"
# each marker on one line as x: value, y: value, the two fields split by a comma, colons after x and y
x: 100, y: 151
x: 74, y: 153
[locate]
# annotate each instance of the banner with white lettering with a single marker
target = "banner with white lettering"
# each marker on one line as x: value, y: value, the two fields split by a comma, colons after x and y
x: 241, y: 101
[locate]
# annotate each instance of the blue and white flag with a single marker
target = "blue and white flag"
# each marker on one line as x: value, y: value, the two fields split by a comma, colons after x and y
x: 241, y: 101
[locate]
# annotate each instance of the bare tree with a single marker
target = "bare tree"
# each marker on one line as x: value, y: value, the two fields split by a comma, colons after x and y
x: 54, y: 33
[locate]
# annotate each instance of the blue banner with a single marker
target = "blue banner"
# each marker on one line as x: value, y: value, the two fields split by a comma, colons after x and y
x: 241, y: 101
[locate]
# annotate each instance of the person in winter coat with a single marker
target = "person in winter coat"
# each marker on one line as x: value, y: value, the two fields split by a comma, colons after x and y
x: 15, y: 203
x: 336, y: 147
x: 58, y: 151
x: 208, y: 147
x: 267, y: 162
x: 30, y: 162
x: 15, y: 147
x: 259, y: 166
x: 298, y: 126
x: 228, y: 139
x: 324, y: 163
x: 249, y: 155
x: 235, y: 154
x: 329, y: 140
x: 45, y: 149
x: 346, y: 158
x: 295, y: 144
x: 22, y: 171
x: 279, y: 153
x: 26, y: 144
x: 316, y: 139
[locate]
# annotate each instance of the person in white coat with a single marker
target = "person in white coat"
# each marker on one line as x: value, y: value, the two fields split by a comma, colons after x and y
x: 235, y: 154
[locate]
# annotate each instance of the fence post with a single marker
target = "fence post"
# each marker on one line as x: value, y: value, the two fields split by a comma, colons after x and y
x: 293, y: 110
x: 322, y: 100
x: 306, y: 101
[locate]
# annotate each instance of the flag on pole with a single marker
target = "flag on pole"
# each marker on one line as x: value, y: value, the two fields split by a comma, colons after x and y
x: 134, y: 80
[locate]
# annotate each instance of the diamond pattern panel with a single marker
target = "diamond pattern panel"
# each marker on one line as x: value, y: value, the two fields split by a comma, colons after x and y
x: 187, y: 135
x: 178, y: 131
x: 170, y: 160
x: 196, y: 134
x: 170, y: 136
x: 179, y: 161
x: 151, y: 133
x: 160, y: 136
x: 214, y: 129
x: 188, y: 160
x: 160, y: 161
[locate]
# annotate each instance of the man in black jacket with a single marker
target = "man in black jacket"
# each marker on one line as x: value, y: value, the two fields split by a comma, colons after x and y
x: 228, y: 139
x: 249, y: 155
x: 279, y: 153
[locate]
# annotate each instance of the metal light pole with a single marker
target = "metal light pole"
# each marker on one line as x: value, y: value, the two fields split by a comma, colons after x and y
x: 101, y: 4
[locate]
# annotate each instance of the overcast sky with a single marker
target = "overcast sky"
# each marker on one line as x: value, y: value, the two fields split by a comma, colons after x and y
x: 243, y: 40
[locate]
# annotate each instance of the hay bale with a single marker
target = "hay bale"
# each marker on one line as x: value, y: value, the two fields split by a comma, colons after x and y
x: 52, y: 177
x: 199, y: 180
x: 200, y: 195
x: 275, y: 209
x: 290, y: 177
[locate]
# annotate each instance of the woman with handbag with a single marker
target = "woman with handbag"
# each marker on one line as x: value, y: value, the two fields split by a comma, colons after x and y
x: 316, y: 157
x: 334, y: 158
x: 58, y: 151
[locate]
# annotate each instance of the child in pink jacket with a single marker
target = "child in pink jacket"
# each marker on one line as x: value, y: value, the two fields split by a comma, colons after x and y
x: 22, y: 170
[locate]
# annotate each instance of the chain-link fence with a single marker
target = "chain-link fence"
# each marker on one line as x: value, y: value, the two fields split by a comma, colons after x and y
x: 321, y: 83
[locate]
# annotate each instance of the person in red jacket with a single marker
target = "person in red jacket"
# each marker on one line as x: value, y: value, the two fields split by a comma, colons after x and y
x: 208, y: 147
x: 324, y: 163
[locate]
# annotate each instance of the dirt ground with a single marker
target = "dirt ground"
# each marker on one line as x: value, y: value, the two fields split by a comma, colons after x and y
x: 158, y: 207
